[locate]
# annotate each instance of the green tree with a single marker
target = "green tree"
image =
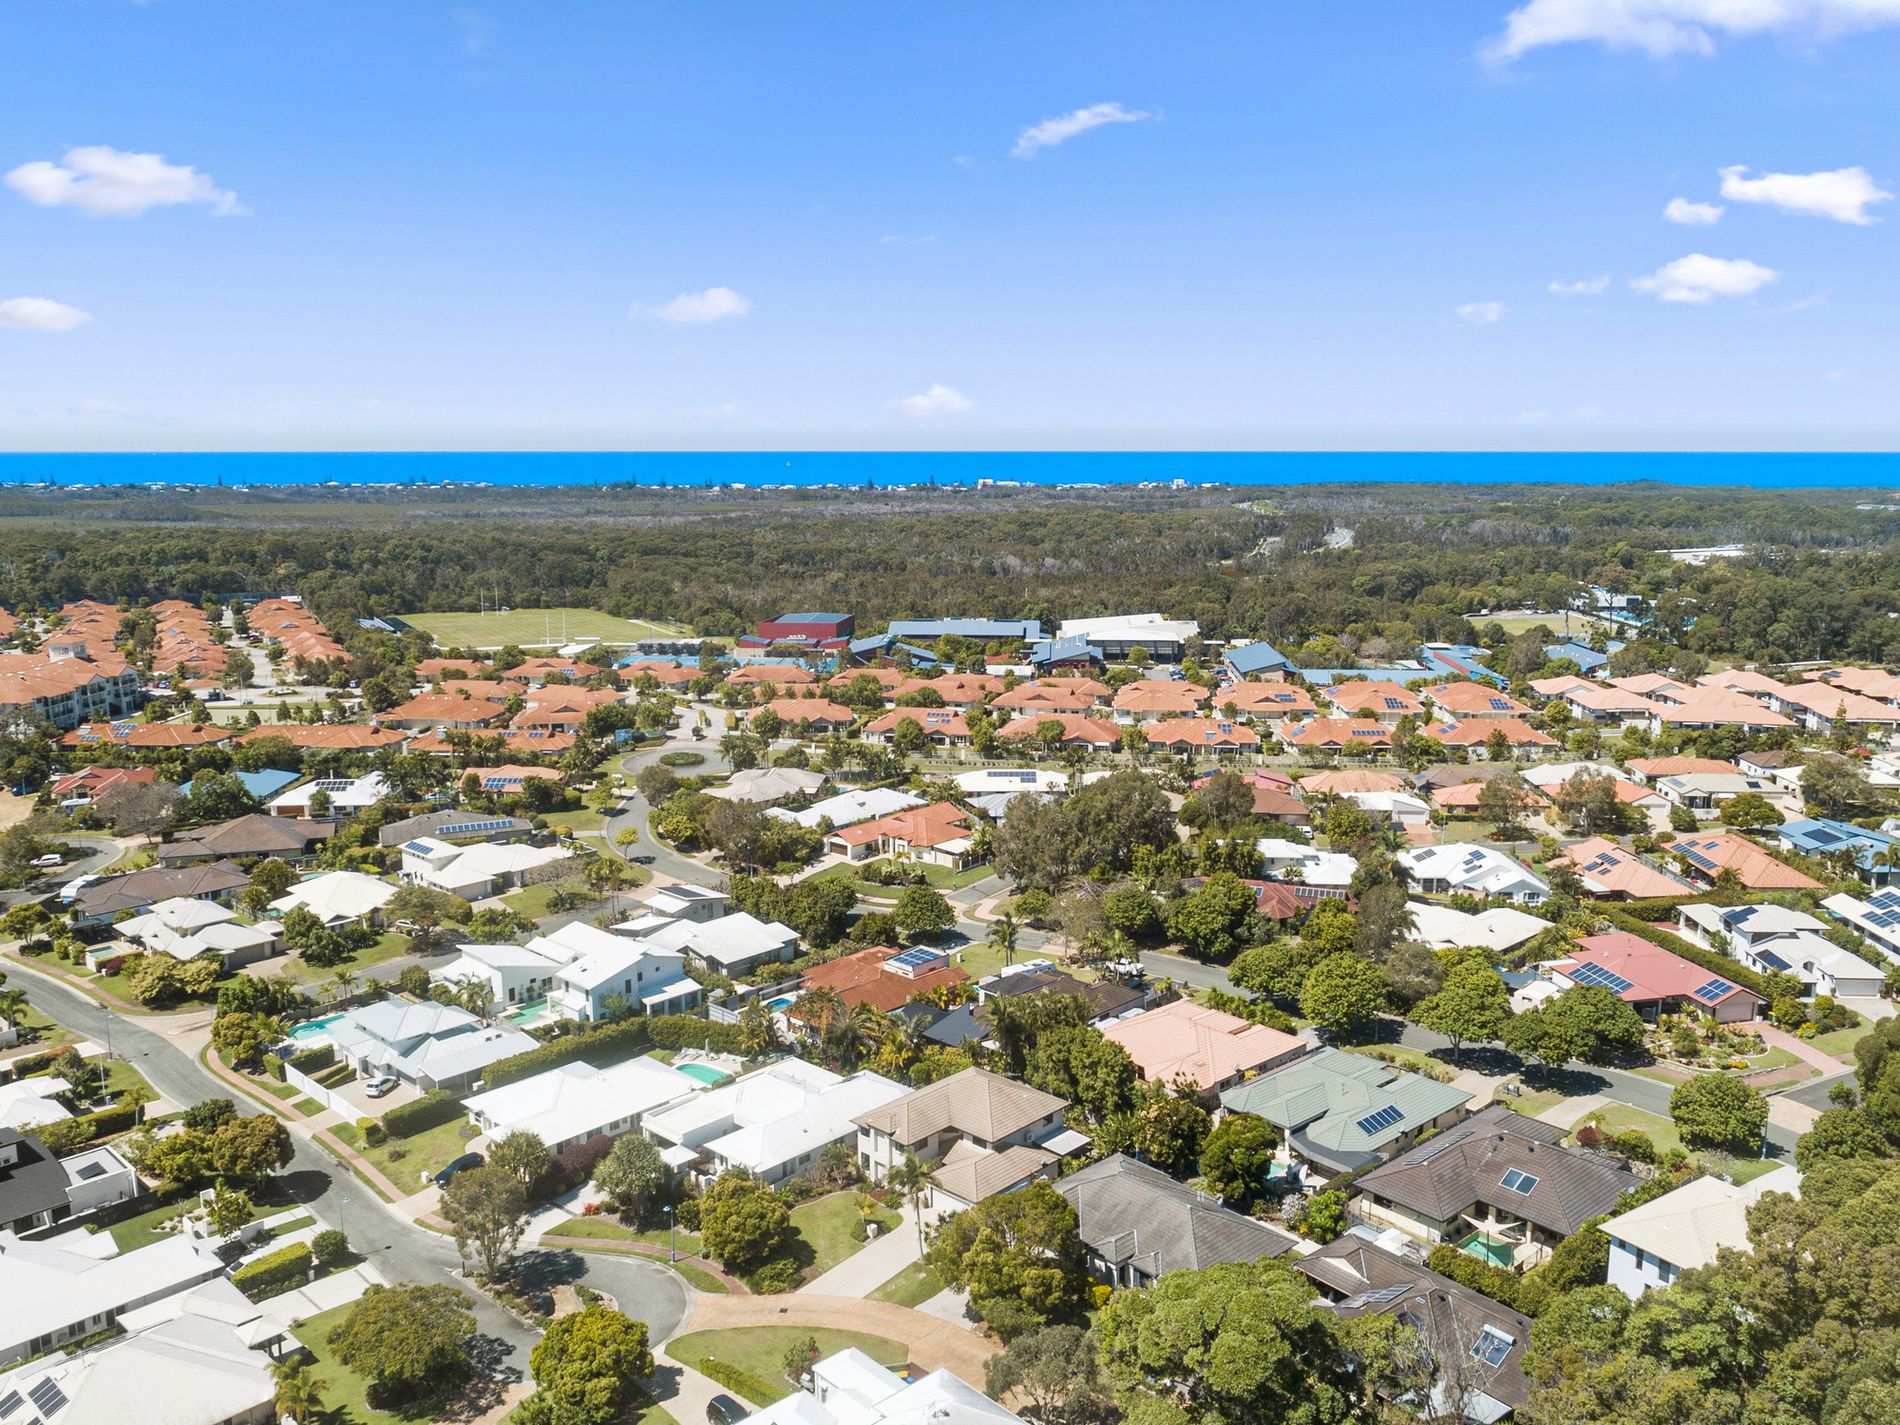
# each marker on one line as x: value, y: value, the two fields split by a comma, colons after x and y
x: 588, y: 1369
x: 922, y: 911
x: 240, y: 1039
x: 1075, y: 1062
x: 1056, y: 1372
x: 248, y: 1150
x: 523, y: 1154
x: 1716, y: 1111
x: 1018, y: 1254
x: 409, y: 1341
x: 487, y: 1211
x: 1169, y: 1129
x: 1132, y: 911
x: 1749, y: 811
x: 632, y: 1175
x: 1236, y: 1156
x: 1240, y: 1343
x: 1343, y: 993
x: 1326, y: 1215
x: 1215, y: 921
x: 1226, y: 800
x: 299, y: 1392
x: 741, y: 1221
x: 228, y: 1210
x: 1474, y: 1004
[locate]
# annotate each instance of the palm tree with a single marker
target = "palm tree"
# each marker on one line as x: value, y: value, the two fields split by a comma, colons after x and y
x: 1010, y: 1027
x: 1003, y: 937
x: 912, y: 1179
x: 758, y: 1035
x: 863, y: 1031
x: 343, y: 983
x: 823, y: 1012
x: 299, y: 1392
x: 12, y: 1006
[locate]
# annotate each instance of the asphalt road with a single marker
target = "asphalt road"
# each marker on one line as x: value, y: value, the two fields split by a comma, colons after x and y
x: 97, y: 853
x: 401, y: 1250
x: 633, y: 813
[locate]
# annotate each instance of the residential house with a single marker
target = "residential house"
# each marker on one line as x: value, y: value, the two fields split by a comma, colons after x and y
x: 1609, y: 872
x: 1274, y: 797
x: 680, y: 901
x: 428, y: 1045
x: 566, y: 1106
x: 1340, y: 1111
x: 514, y: 974
x: 1500, y: 1186
x: 1476, y: 1345
x: 1650, y: 770
x: 479, y: 870
x: 1653, y: 981
x: 339, y: 898
x: 91, y: 784
x: 185, y: 929
x: 460, y: 710
x: 262, y: 784
x: 60, y: 1289
x: 1272, y: 703
x: 1477, y: 735
x: 1257, y: 659
x: 32, y: 1187
x: 1043, y: 696
x: 1501, y: 928
x: 1380, y: 700
x: 248, y: 838
x: 1137, y: 1224
x: 1709, y: 791
x: 808, y: 717
x: 1103, y: 1001
x: 773, y: 1122
x: 341, y: 796
x: 1399, y: 808
x: 1587, y: 659
x: 883, y: 977
x: 601, y: 975
x: 1209, y: 1050
x: 1596, y: 703
x: 1352, y: 736
x: 1876, y: 918
x: 102, y: 900
x: 766, y: 674
x: 1285, y: 858
x: 1217, y: 737
x: 988, y: 1133
x: 735, y: 945
x: 1462, y: 868
x: 1089, y: 733
x: 328, y: 736
x: 1467, y: 798
x: 849, y: 1388
x: 941, y: 727
x: 1686, y: 1228
x: 938, y: 835
x: 850, y: 808
x: 1771, y: 939
x: 1468, y: 702
x: 1705, y: 858
x: 1155, y: 699
x: 99, y: 1176
x: 1874, y: 856
x: 458, y: 828
x: 1351, y: 779
x: 765, y: 785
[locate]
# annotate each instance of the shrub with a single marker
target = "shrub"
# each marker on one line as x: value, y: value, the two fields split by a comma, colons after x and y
x: 781, y: 1274
x: 1635, y: 1144
x: 407, y: 1120
x: 414, y: 980
x: 733, y: 1378
x: 275, y: 1272
x: 1468, y: 1271
x: 70, y: 1133
x: 687, y: 1214
x: 372, y: 1132
x: 600, y: 1046
x: 274, y: 1067
x: 330, y: 1246
x: 687, y: 1031
x: 309, y: 1061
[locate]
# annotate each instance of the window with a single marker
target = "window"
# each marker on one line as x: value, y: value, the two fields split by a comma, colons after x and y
x: 1518, y: 1181
x: 1492, y: 1346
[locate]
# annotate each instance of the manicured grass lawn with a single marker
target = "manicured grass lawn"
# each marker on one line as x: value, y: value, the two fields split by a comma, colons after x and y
x: 309, y: 1107
x: 1620, y: 1117
x: 825, y: 1226
x: 940, y: 878
x: 532, y: 901
x: 143, y: 1230
x: 535, y: 628
x: 401, y: 1160
x: 1773, y: 1059
x: 760, y: 1351
x: 42, y: 1033
x: 913, y: 1286
x: 700, y: 1278
x: 345, y: 1393
x: 578, y: 820
x: 1532, y: 1104
x: 386, y: 947
x: 1840, y: 1042
x: 1402, y: 1057
x: 606, y: 1229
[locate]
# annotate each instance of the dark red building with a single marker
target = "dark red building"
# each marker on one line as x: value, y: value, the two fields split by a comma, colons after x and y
x: 810, y: 630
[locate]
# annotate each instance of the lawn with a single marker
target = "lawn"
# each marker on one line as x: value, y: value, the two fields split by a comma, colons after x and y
x: 532, y: 901
x: 824, y: 1226
x: 940, y: 878
x: 913, y: 1286
x: 43, y: 1033
x: 402, y: 1159
x: 536, y: 628
x: 1840, y: 1042
x: 143, y: 1230
x: 1399, y: 1056
x: 1618, y: 1117
x: 606, y: 1229
x: 386, y: 947
x: 345, y: 1393
x: 760, y: 1352
x: 1532, y: 1104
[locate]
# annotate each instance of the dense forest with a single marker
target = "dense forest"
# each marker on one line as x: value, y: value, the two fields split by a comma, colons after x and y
x: 1822, y: 579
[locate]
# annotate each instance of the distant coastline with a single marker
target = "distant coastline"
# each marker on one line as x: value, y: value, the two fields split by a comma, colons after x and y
x: 953, y: 469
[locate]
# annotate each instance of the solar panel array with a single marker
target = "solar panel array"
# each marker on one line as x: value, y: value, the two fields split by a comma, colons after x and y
x: 1518, y: 1181
x: 1437, y: 1146
x: 10, y: 1402
x: 1396, y: 704
x: 1501, y: 704
x: 1594, y: 974
x: 469, y: 828
x: 1713, y: 990
x: 1695, y: 857
x: 47, y: 1397
x: 1383, y: 1118
x: 1375, y: 1298
x: 1492, y: 1346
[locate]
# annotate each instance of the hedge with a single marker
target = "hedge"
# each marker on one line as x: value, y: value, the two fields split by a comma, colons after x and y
x: 757, y: 1391
x: 1716, y: 964
x: 68, y: 1133
x: 308, y: 1061
x: 407, y: 1120
x: 689, y: 1031
x: 275, y: 1272
x: 608, y: 1043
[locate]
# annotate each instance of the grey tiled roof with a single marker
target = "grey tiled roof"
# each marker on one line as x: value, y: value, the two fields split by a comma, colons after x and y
x: 1467, y: 1163
x: 35, y: 1184
x: 1129, y: 1211
x: 1341, y: 1108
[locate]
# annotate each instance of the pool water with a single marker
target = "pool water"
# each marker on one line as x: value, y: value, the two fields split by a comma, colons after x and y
x: 314, y: 1028
x: 1493, y: 1250
x: 781, y: 1003
x: 533, y: 1012
x: 705, y: 1073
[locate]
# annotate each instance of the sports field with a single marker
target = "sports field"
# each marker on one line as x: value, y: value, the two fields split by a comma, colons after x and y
x: 536, y: 628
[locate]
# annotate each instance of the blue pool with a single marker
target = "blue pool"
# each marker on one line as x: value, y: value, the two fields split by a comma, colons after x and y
x: 314, y: 1028
x: 705, y: 1073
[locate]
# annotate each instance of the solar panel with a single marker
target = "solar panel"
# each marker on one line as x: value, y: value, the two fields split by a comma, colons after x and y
x: 47, y: 1397
x: 1492, y: 1346
x: 1501, y: 704
x: 1518, y: 1181
x: 1376, y: 1298
x: 1594, y: 974
x: 1382, y: 1118
x: 1437, y: 1146
x: 1395, y: 703
x: 1714, y: 990
x: 9, y: 1403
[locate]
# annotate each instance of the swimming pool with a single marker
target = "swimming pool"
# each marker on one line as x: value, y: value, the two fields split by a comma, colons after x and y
x: 314, y: 1028
x: 705, y: 1073
x: 783, y: 1002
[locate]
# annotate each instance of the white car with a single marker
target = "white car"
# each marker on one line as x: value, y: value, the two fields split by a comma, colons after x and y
x: 51, y: 858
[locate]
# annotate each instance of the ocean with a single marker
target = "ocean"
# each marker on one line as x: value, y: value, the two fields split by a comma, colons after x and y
x: 760, y: 469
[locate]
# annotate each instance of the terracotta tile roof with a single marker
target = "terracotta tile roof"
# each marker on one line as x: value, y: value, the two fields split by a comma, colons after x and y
x: 1201, y: 732
x: 1054, y: 694
x: 1475, y: 732
x: 521, y: 741
x: 1653, y: 972
x: 346, y: 737
x: 938, y: 824
x: 1160, y: 695
x: 144, y: 735
x: 1339, y: 732
x: 441, y: 708
x: 1380, y: 698
x: 1609, y: 870
x: 1205, y: 1046
x: 1267, y: 700
x: 1352, y: 779
x: 783, y: 675
x: 1076, y: 728
x: 1464, y: 700
x: 1753, y: 867
x: 936, y: 722
x: 797, y: 710
x: 863, y: 979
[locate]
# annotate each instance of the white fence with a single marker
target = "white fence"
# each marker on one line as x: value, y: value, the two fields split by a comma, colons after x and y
x: 298, y: 1079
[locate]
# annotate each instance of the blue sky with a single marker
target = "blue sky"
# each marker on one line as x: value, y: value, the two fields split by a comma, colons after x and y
x: 1243, y: 225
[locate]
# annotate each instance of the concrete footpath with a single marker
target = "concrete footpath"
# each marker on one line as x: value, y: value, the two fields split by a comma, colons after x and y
x: 868, y: 1268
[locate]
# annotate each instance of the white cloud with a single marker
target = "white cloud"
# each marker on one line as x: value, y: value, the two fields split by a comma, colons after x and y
x: 939, y: 400
x: 1583, y: 287
x: 1481, y: 314
x: 1660, y: 28
x: 715, y: 304
x: 40, y: 314
x: 1819, y: 299
x: 1052, y: 132
x: 1693, y: 215
x: 1699, y: 278
x: 1842, y: 194
x: 107, y: 182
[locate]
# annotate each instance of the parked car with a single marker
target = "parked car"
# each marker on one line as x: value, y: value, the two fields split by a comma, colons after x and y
x: 380, y: 1085
x: 51, y: 858
x: 724, y: 1410
x: 467, y: 1160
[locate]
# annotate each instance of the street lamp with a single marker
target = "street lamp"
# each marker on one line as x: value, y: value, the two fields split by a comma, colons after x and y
x: 343, y: 1215
x: 672, y: 1235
